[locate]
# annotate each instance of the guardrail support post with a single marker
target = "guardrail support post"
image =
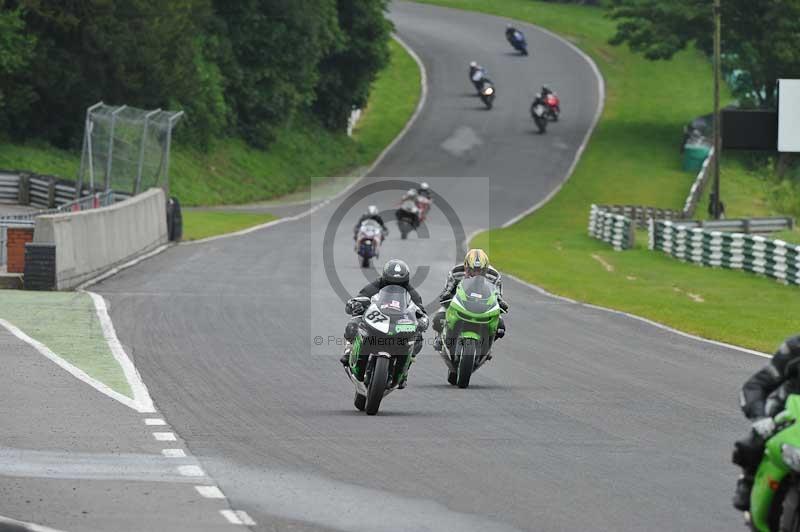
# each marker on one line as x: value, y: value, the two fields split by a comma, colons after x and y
x: 24, y: 196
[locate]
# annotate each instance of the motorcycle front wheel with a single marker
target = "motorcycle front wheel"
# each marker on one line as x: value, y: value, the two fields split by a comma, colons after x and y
x: 365, y: 262
x: 466, y: 362
x: 377, y: 385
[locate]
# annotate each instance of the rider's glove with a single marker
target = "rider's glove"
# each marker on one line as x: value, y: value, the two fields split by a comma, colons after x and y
x: 423, y: 323
x: 764, y: 427
x: 354, y: 307
x: 503, y: 305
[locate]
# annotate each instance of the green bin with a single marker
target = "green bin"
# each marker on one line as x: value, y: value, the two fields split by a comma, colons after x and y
x: 694, y: 155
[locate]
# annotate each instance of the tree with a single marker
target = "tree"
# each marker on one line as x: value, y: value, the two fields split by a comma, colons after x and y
x: 271, y: 67
x: 143, y: 53
x: 759, y: 38
x: 16, y: 50
x: 347, y: 73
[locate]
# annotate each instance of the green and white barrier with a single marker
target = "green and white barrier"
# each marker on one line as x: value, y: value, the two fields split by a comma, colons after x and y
x: 738, y: 251
x: 615, y: 229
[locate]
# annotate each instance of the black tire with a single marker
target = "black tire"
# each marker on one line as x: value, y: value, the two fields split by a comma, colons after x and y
x: 541, y: 123
x: 377, y: 385
x: 466, y: 363
x: 790, y: 511
x: 360, y: 401
x: 365, y: 262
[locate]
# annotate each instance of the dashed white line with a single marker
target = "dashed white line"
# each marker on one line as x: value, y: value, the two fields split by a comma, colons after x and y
x: 210, y: 492
x: 173, y: 453
x: 237, y: 517
x: 165, y: 436
x: 191, y: 471
x: 154, y: 421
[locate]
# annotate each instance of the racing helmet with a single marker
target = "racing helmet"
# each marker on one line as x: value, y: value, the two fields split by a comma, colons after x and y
x: 412, y: 193
x: 424, y: 186
x: 372, y: 210
x: 476, y: 262
x: 395, y: 271
x: 473, y: 64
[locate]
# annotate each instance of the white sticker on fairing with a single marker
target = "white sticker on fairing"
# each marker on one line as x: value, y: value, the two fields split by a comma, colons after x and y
x: 473, y: 294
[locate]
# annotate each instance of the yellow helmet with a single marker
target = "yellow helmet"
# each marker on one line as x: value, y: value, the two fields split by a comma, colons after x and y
x: 476, y: 262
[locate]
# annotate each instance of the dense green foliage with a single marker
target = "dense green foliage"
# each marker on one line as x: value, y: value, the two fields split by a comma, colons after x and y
x: 243, y: 68
x: 759, y: 37
x: 303, y: 152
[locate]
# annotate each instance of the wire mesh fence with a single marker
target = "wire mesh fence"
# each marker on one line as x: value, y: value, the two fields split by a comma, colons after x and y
x: 126, y: 149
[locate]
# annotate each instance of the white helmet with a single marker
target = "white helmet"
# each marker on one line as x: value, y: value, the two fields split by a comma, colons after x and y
x: 424, y: 186
x: 372, y: 210
x: 473, y: 64
x: 412, y: 192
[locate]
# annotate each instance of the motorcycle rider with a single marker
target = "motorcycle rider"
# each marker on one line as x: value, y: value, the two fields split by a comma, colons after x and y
x: 478, y: 75
x: 762, y: 397
x: 371, y: 214
x: 511, y: 32
x: 476, y: 262
x: 424, y: 190
x: 395, y: 272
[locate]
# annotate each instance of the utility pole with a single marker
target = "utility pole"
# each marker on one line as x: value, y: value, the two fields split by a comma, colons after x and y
x: 717, y: 203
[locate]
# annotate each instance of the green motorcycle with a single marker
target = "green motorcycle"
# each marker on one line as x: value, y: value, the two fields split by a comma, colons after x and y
x: 775, y: 499
x: 470, y: 325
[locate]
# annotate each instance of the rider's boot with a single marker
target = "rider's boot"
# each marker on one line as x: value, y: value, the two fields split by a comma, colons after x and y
x: 741, y: 499
x: 345, y: 360
x: 437, y: 343
x: 404, y: 378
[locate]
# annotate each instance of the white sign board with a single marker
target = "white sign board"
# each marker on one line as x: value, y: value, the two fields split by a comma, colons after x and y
x: 789, y: 115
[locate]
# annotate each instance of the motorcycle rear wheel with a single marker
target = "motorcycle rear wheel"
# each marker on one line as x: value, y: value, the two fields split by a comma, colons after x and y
x: 365, y: 262
x: 377, y: 385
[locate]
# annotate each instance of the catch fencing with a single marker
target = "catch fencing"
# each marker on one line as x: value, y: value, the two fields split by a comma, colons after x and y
x: 700, y: 245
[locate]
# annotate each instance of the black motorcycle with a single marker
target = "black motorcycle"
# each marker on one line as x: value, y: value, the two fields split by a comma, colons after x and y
x: 488, y: 93
x: 381, y: 353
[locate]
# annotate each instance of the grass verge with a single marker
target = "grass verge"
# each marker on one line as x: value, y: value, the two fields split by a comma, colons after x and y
x: 68, y: 325
x: 233, y: 172
x: 203, y: 224
x: 633, y: 158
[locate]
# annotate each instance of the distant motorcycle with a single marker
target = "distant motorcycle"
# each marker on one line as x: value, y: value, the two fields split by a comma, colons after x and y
x: 539, y: 114
x: 368, y: 242
x: 488, y: 94
x: 407, y: 217
x: 553, y: 104
x: 517, y: 40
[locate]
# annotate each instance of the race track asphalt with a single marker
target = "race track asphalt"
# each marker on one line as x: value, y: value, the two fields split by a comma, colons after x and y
x: 584, y: 420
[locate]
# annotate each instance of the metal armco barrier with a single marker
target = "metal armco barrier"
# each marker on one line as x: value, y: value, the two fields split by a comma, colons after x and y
x: 615, y: 229
x: 640, y: 214
x: 699, y: 185
x: 743, y: 225
x: 9, y: 187
x: 752, y: 253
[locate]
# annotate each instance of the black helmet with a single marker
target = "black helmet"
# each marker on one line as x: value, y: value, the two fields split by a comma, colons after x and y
x: 395, y: 271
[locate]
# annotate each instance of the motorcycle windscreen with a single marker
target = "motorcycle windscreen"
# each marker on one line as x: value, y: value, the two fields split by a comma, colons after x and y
x: 478, y: 290
x: 392, y: 300
x: 370, y: 229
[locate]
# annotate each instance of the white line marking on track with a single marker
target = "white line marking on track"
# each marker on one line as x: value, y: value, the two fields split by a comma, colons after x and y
x: 165, y: 436
x: 237, y: 517
x: 154, y: 421
x: 140, y: 394
x: 173, y: 453
x: 191, y: 471
x: 72, y: 370
x: 13, y: 524
x: 210, y: 492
